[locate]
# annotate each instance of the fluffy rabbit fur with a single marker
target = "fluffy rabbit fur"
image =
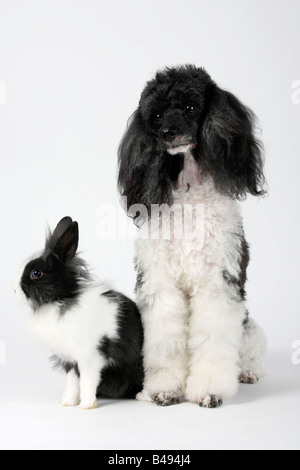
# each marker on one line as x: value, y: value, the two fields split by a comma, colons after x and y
x: 95, y: 332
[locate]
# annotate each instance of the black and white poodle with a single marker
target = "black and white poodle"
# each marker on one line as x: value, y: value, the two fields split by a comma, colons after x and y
x: 191, y: 144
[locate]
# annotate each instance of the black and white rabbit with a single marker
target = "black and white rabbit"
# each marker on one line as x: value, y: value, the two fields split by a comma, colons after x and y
x: 95, y: 332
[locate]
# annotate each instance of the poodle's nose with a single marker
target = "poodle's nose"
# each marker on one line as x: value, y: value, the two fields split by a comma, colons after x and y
x: 169, y: 133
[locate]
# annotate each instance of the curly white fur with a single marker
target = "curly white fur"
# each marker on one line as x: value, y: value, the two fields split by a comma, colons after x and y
x: 196, y: 345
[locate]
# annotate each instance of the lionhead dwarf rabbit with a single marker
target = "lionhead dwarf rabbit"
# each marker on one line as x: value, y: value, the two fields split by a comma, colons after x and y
x: 95, y: 332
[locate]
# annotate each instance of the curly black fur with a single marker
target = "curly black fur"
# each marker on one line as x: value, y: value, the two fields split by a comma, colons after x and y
x: 186, y: 102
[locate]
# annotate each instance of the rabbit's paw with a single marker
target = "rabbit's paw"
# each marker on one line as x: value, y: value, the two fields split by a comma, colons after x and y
x: 70, y: 402
x: 70, y: 398
x: 88, y: 404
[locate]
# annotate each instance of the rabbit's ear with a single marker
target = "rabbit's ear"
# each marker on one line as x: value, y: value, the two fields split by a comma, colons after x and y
x: 64, y: 240
x: 62, y: 226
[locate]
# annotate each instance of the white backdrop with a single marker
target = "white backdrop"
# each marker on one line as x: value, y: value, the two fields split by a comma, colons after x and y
x: 71, y: 73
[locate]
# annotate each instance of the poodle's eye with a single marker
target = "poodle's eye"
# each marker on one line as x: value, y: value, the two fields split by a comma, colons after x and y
x: 36, y: 274
x: 190, y: 109
x: 158, y: 118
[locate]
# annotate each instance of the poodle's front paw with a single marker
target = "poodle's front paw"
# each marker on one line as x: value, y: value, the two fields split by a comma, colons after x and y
x: 211, y: 401
x: 166, y: 398
x: 248, y: 377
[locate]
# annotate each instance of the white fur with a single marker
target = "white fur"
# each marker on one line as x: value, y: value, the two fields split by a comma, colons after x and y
x: 180, y: 149
x: 71, y: 395
x: 195, y: 341
x: 253, y: 350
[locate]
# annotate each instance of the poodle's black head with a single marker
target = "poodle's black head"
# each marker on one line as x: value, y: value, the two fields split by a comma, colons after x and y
x: 172, y: 107
x: 183, y: 109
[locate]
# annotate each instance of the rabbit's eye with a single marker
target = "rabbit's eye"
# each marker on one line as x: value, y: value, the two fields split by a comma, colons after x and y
x: 36, y: 274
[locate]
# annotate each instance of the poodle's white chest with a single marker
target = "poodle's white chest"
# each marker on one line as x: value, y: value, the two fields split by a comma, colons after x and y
x: 191, y: 174
x: 205, y: 229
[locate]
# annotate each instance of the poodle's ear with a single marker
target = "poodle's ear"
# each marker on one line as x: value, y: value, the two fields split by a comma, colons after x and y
x: 229, y: 148
x: 142, y: 177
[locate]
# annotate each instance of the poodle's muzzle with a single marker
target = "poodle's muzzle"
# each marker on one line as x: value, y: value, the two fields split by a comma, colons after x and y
x: 176, y: 134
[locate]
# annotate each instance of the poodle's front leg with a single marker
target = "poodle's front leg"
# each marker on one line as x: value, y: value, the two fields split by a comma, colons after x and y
x: 214, y: 344
x: 165, y: 322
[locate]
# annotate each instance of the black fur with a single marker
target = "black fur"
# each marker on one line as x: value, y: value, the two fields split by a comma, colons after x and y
x: 66, y: 366
x: 125, y: 377
x: 139, y: 277
x: 240, y: 282
x: 180, y: 106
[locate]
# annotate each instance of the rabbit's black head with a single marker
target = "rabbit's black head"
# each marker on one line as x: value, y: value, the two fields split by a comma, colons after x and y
x: 57, y: 275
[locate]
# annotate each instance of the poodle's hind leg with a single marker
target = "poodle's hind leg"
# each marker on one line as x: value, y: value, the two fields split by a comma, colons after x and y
x: 252, y: 353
